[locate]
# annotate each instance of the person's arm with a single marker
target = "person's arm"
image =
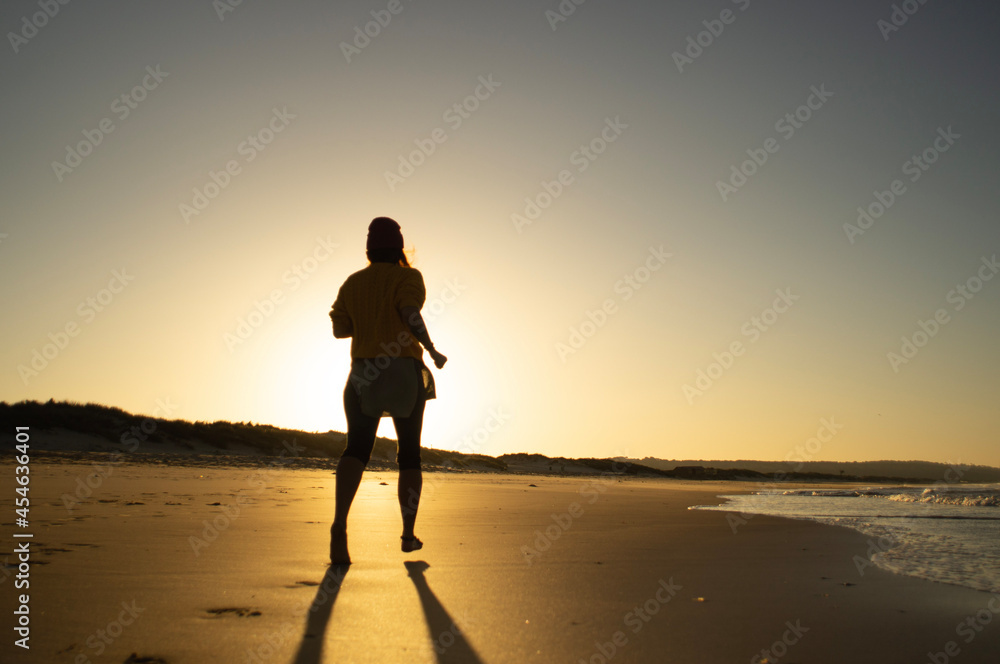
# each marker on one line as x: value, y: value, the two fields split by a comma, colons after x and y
x: 343, y: 327
x: 415, y: 322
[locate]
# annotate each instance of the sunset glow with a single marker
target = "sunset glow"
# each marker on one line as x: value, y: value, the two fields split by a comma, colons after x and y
x: 626, y: 252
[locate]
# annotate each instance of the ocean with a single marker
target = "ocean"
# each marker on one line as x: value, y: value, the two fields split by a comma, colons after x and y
x: 947, y: 533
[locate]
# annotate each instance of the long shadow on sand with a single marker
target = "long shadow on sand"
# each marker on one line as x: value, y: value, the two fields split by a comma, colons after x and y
x: 311, y: 648
x: 449, y: 644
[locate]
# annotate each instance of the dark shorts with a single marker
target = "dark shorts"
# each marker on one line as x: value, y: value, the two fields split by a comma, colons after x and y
x: 362, y: 428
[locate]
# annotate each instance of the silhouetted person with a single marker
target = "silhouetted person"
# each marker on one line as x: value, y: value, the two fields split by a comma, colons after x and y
x: 379, y: 308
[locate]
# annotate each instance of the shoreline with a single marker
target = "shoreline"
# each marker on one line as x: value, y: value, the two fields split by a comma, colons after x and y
x: 620, y: 567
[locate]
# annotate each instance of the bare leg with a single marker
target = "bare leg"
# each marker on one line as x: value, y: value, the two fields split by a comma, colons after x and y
x: 410, y: 483
x: 410, y: 478
x: 349, y: 471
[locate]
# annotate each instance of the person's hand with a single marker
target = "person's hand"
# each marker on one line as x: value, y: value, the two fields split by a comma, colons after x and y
x: 438, y: 358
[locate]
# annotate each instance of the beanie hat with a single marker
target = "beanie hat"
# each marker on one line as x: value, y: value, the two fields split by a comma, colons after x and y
x: 384, y: 233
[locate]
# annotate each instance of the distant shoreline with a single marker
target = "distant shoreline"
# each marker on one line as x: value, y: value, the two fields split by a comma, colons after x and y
x: 103, y: 460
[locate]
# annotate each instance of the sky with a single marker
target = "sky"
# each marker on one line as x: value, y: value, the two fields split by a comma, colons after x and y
x: 687, y: 230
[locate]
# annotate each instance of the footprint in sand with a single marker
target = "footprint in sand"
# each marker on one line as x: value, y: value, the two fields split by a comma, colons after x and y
x: 135, y: 658
x: 300, y: 584
x: 49, y: 550
x: 236, y: 611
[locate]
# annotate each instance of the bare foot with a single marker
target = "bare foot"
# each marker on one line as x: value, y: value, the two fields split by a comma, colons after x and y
x: 338, y: 546
x: 410, y: 544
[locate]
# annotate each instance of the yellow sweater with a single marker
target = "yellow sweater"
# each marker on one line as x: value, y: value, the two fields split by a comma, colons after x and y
x: 367, y: 310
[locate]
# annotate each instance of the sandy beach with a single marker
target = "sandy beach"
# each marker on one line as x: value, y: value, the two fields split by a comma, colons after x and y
x: 180, y: 564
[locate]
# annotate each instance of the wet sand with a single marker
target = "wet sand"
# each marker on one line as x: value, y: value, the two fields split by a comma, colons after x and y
x: 182, y: 564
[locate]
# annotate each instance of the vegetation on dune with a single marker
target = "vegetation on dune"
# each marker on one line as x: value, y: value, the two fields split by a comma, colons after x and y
x: 127, y: 432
